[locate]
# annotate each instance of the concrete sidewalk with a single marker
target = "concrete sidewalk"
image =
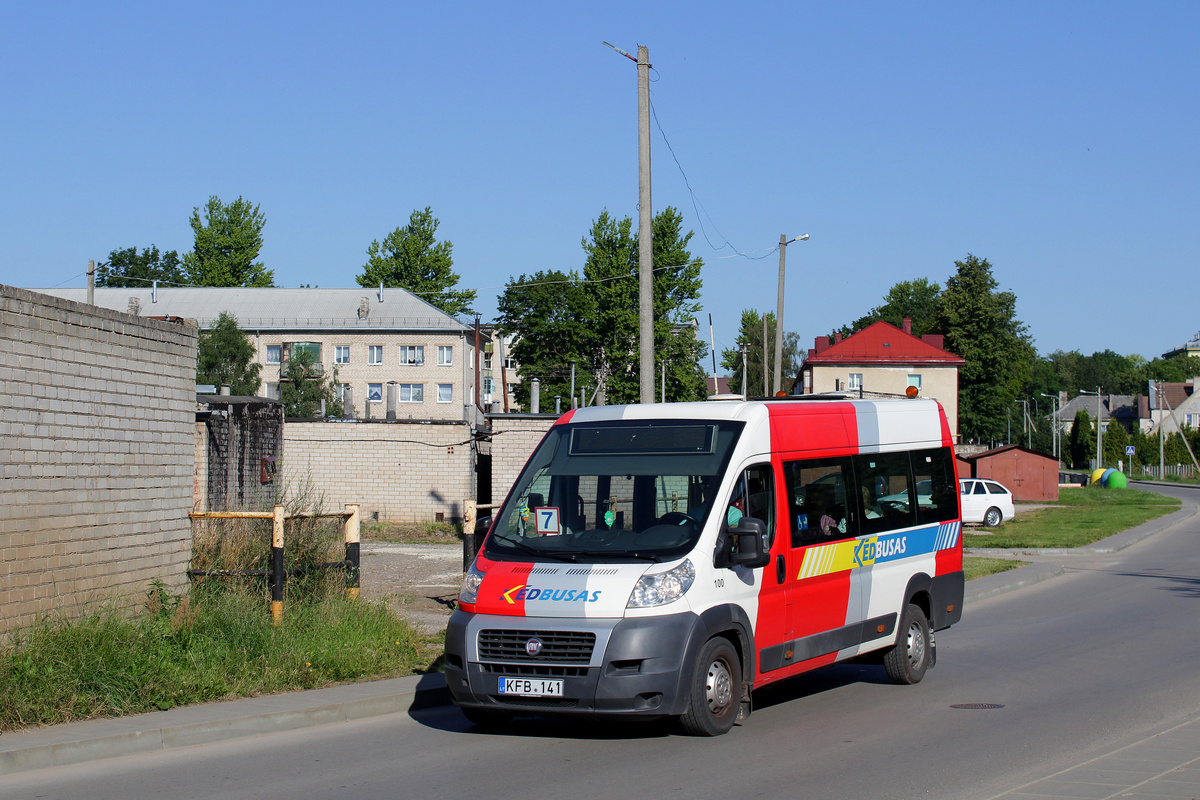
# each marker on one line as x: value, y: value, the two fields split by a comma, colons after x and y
x: 74, y: 743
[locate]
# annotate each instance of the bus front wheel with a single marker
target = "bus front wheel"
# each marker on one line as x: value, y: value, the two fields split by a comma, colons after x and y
x: 716, y: 690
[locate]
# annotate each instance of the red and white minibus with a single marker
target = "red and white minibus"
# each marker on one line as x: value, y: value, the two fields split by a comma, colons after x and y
x: 656, y: 560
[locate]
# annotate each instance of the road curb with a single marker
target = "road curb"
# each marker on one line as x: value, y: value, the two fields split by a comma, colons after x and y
x: 1005, y: 582
x: 79, y: 742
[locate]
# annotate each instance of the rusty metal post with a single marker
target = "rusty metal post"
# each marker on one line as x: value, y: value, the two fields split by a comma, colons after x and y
x: 277, y: 570
x: 470, y: 546
x: 352, y: 533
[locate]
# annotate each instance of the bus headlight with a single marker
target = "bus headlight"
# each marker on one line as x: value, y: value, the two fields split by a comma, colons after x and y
x: 660, y: 588
x: 469, y: 592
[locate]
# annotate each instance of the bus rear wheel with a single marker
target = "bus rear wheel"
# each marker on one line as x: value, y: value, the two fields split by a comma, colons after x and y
x: 907, y: 661
x: 716, y: 690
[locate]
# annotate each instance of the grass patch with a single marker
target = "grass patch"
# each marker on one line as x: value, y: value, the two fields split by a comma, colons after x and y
x: 412, y: 533
x: 977, y: 567
x: 207, y: 645
x: 1081, y: 517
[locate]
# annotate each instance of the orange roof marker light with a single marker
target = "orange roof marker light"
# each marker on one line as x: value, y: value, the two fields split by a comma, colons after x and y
x: 912, y: 391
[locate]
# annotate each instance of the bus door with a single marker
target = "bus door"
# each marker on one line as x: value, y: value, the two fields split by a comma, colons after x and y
x: 822, y: 523
x: 754, y: 495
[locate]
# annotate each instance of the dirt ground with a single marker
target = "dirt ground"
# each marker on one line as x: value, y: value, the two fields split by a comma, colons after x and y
x: 419, y: 581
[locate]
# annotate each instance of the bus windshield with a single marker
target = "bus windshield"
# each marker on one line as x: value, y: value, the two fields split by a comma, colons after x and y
x: 619, y: 490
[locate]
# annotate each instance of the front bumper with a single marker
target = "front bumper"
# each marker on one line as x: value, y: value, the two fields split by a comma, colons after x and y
x: 634, y: 667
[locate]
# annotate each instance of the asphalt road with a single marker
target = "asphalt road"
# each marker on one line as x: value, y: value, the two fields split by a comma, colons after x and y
x: 1078, y: 666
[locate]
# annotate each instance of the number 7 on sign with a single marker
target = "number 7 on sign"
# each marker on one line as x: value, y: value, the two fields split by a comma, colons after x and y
x: 547, y: 521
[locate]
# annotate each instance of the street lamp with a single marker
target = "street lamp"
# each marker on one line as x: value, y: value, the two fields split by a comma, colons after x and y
x: 783, y: 243
x: 1054, y: 423
x: 1099, y: 452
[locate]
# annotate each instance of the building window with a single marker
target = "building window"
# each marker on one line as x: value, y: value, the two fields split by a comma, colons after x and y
x: 488, y: 386
x: 375, y: 392
x: 343, y: 390
x: 914, y: 380
x: 375, y: 355
x: 445, y: 392
x: 412, y: 393
x: 341, y: 354
x: 273, y: 391
x: 274, y: 353
x: 445, y: 355
x: 413, y: 355
x: 855, y: 381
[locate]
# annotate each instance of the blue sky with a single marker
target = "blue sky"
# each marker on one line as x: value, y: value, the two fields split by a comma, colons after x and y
x: 1061, y: 141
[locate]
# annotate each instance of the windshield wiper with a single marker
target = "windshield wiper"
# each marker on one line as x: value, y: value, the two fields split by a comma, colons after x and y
x: 613, y: 554
x: 533, y: 551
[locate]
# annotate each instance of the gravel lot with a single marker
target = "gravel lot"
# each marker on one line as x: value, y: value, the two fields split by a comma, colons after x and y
x: 420, y: 581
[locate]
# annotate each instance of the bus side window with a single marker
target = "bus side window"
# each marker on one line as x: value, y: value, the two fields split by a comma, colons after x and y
x: 886, y: 492
x: 937, y: 492
x: 817, y: 500
x: 754, y: 496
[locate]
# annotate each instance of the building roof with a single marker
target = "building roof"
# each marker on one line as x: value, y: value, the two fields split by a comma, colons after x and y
x: 1191, y: 348
x: 718, y: 385
x: 881, y: 344
x: 1004, y: 449
x: 1119, y: 406
x: 277, y: 309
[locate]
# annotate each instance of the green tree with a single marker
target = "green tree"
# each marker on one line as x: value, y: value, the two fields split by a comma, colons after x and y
x: 980, y: 324
x: 611, y: 273
x: 302, y: 387
x: 1116, y: 439
x: 760, y: 353
x: 917, y: 300
x: 1175, y: 369
x: 592, y: 321
x: 1081, y: 442
x: 549, y: 312
x: 412, y: 259
x: 128, y: 267
x: 227, y: 243
x: 223, y: 358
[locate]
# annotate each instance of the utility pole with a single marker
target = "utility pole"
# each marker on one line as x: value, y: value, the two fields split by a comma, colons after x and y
x: 645, y: 225
x: 1054, y: 425
x: 745, y: 393
x: 783, y: 243
x: 766, y: 364
x: 1099, y: 440
x: 91, y: 275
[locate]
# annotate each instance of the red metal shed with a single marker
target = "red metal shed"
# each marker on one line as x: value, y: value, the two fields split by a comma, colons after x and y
x: 1032, y: 476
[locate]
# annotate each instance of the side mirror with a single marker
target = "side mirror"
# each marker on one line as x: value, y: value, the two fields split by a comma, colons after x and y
x: 481, y: 526
x: 749, y: 540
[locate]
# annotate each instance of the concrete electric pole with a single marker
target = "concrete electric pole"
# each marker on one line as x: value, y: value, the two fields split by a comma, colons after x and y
x: 645, y: 224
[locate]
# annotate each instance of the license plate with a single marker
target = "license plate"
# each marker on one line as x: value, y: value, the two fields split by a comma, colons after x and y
x: 531, y: 687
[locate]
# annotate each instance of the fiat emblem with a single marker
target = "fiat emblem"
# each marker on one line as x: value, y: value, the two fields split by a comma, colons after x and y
x: 533, y: 646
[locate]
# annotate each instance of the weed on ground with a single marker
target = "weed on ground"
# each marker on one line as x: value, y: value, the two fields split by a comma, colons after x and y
x: 201, y: 646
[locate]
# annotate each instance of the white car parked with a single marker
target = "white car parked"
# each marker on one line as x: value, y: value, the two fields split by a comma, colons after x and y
x: 985, y: 502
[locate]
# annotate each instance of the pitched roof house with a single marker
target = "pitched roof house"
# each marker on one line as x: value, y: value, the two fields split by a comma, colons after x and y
x: 884, y: 359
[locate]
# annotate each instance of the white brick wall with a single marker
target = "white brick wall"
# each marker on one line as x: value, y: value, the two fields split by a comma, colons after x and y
x: 404, y: 471
x: 514, y: 438
x: 96, y: 455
